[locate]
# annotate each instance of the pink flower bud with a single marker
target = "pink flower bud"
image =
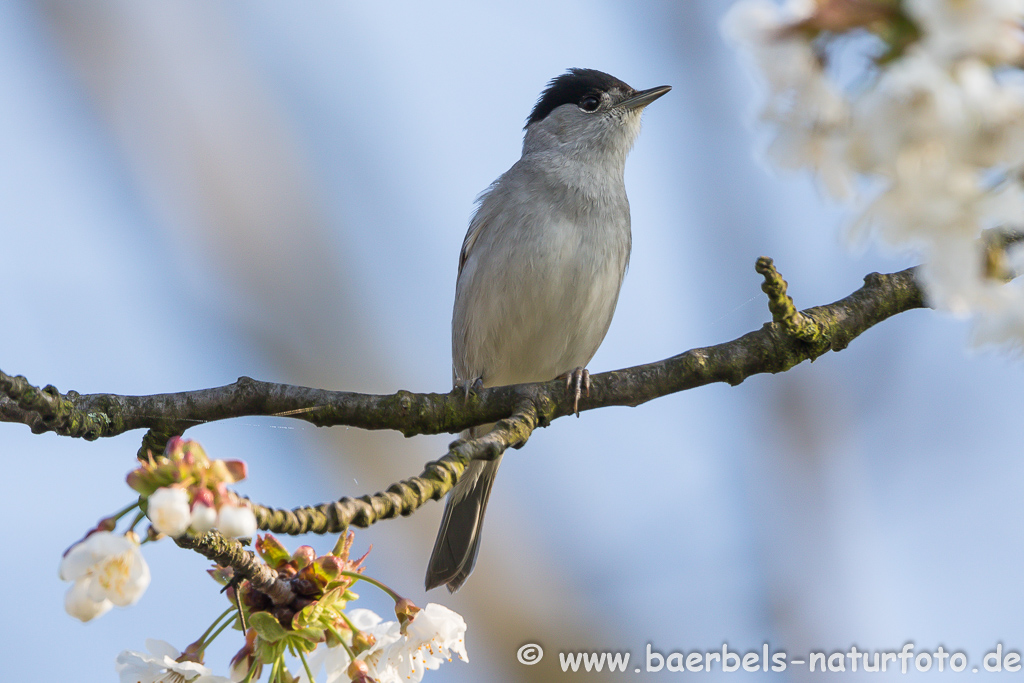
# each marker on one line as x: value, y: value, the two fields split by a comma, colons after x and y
x: 303, y: 556
x: 174, y: 447
x: 405, y: 610
x: 237, y: 470
x: 359, y: 671
x: 203, y: 496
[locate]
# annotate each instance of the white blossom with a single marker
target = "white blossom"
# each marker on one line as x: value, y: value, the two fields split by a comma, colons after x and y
x: 1004, y: 325
x: 160, y: 665
x: 955, y: 29
x: 81, y: 606
x: 107, y: 569
x: 758, y: 27
x: 203, y: 518
x: 236, y: 521
x: 168, y: 510
x: 931, y: 139
x: 336, y: 660
x: 433, y: 635
x: 809, y: 113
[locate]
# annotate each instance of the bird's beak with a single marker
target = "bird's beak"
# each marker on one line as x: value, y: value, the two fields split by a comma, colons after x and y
x: 644, y: 97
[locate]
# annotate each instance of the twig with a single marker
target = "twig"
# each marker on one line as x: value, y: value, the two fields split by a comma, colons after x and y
x: 404, y: 497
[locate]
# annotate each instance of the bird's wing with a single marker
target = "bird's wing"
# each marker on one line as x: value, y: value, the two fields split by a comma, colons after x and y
x: 475, y: 228
x: 482, y: 218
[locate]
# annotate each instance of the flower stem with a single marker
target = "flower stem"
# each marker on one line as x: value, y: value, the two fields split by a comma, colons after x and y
x: 203, y: 641
x: 221, y: 629
x: 135, y: 522
x: 351, y: 655
x: 394, y: 596
x: 121, y: 513
x: 305, y: 665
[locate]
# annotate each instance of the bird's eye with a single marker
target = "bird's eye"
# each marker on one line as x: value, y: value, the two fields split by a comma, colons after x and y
x: 590, y: 103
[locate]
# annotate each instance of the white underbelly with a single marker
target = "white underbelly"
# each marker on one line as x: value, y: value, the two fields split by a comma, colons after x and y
x: 535, y: 314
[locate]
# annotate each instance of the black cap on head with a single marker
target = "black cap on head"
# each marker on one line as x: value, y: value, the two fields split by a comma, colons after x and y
x: 570, y: 88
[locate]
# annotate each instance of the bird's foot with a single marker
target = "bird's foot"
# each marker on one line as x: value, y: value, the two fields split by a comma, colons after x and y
x: 576, y: 383
x: 470, y: 387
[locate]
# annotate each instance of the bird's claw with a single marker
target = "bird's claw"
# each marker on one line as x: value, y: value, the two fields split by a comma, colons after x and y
x: 577, y: 382
x: 473, y: 387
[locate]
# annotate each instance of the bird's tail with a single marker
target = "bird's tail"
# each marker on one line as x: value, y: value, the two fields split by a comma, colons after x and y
x: 458, y: 539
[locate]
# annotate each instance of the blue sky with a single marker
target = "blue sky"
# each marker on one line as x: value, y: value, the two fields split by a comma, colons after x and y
x: 195, y: 191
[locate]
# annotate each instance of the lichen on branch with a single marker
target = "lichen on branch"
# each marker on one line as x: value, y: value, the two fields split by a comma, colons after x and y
x: 404, y: 497
x: 227, y: 552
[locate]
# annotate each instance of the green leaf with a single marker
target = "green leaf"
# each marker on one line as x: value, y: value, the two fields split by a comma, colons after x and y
x: 268, y: 652
x: 146, y: 480
x: 272, y: 552
x: 320, y: 612
x: 305, y: 639
x: 267, y: 626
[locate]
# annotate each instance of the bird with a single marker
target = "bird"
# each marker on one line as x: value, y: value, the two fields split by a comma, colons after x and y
x: 540, y: 271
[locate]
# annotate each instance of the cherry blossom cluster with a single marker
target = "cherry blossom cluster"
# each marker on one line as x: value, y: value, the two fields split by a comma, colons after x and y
x: 349, y: 644
x: 184, y: 490
x: 181, y: 490
x: 313, y: 624
x: 402, y: 651
x: 301, y: 609
x: 912, y: 110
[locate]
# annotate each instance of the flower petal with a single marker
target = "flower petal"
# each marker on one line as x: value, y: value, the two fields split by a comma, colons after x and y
x: 80, y: 605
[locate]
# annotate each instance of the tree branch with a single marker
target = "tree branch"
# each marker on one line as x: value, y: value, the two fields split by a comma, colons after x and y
x: 227, y: 552
x: 404, y: 497
x: 791, y: 338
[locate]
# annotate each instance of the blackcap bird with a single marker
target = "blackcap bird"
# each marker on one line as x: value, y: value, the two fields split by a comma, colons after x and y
x: 540, y: 271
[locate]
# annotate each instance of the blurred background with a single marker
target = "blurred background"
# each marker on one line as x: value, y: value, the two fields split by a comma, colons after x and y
x: 192, y: 191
